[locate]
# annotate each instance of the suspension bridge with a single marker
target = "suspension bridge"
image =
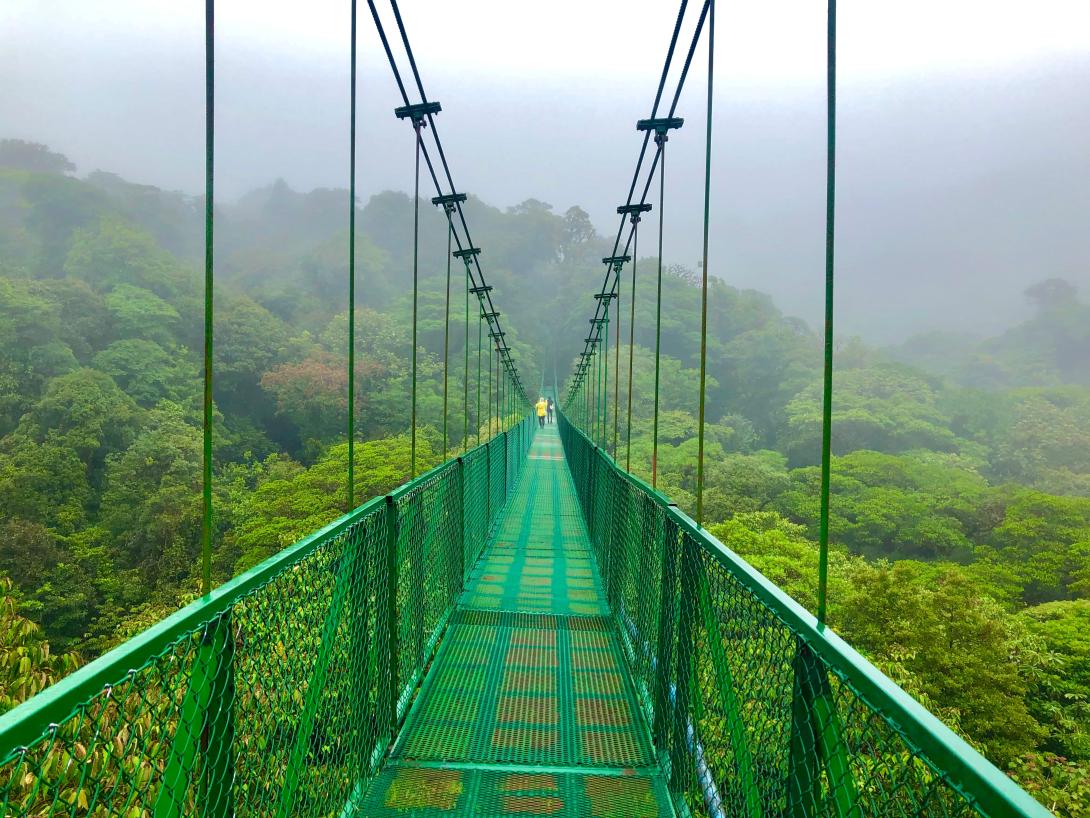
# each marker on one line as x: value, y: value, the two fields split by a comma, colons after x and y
x: 526, y: 629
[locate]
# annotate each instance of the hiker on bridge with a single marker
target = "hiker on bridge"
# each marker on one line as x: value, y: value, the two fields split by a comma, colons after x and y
x: 549, y: 409
x: 542, y: 408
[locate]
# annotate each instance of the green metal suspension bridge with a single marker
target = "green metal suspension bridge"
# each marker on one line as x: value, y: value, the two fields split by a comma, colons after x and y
x: 527, y: 629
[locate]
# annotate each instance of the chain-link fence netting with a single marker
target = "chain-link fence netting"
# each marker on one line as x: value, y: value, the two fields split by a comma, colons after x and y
x: 281, y: 693
x: 755, y: 710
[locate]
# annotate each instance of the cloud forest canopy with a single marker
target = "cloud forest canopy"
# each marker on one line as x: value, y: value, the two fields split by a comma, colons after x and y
x: 961, y: 483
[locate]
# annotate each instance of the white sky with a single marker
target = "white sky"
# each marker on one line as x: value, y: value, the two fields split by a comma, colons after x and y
x: 771, y: 42
x: 962, y: 123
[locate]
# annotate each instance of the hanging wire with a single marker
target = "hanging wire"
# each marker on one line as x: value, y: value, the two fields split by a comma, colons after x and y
x: 480, y: 329
x: 617, y: 366
x: 465, y: 380
x: 446, y: 325
x: 631, y: 341
x: 704, y: 276
x: 209, y: 178
x: 417, y: 125
x: 661, y: 138
x: 352, y: 270
x: 827, y: 383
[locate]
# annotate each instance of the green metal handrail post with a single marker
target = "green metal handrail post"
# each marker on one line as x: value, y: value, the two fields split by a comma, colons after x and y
x: 465, y: 392
x: 804, y: 762
x: 686, y: 647
x: 388, y: 688
x: 219, y: 734
x: 506, y: 476
x: 208, y: 681
x: 294, y: 771
x: 664, y: 653
x: 488, y: 486
x: 457, y: 560
x: 418, y: 548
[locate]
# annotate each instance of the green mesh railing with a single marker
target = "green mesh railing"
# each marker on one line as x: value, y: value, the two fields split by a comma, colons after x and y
x: 281, y: 692
x: 756, y: 711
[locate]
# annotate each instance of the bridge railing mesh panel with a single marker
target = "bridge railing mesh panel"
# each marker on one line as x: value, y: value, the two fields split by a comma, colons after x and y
x: 282, y: 691
x: 756, y: 711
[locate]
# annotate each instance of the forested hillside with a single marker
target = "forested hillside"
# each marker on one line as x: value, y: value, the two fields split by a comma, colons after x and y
x: 961, y: 484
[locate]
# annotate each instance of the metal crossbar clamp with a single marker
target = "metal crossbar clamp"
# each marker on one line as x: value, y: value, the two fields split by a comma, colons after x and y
x: 487, y: 288
x: 591, y: 340
x: 467, y: 254
x: 617, y: 262
x: 496, y: 333
x: 490, y: 315
x: 633, y: 211
x: 599, y: 320
x: 606, y: 296
x: 660, y: 125
x: 417, y: 111
x: 448, y: 201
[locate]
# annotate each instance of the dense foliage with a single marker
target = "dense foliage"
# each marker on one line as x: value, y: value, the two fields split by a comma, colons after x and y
x: 961, y: 482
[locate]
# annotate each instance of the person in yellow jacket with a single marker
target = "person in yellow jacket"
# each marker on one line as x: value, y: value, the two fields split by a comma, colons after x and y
x: 542, y: 407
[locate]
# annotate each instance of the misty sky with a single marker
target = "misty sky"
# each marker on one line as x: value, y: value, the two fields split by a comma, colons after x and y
x: 964, y: 150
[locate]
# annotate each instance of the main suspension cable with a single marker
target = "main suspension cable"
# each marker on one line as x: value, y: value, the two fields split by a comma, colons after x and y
x: 658, y: 154
x: 428, y: 112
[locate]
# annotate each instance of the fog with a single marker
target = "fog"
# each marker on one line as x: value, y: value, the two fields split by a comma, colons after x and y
x: 963, y: 155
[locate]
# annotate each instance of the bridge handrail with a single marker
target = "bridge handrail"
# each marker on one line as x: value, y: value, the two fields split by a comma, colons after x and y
x: 424, y: 535
x: 835, y: 668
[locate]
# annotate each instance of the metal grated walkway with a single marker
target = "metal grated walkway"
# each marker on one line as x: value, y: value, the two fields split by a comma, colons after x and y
x: 527, y: 708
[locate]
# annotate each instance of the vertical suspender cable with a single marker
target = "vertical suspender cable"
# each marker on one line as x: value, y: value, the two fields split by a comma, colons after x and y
x: 465, y: 381
x: 704, y: 277
x: 605, y: 377
x: 631, y: 340
x: 352, y: 270
x: 488, y: 435
x: 480, y: 329
x: 827, y: 386
x: 417, y: 124
x: 661, y: 139
x: 209, y: 168
x: 446, y: 326
x: 617, y: 366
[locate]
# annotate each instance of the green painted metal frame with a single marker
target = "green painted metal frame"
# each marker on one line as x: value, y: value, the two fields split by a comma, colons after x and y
x: 826, y: 660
